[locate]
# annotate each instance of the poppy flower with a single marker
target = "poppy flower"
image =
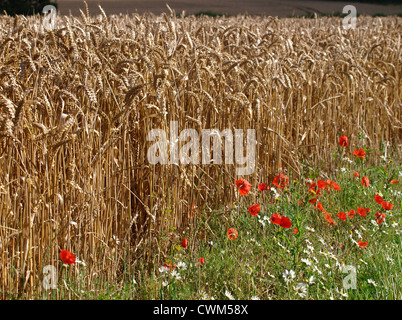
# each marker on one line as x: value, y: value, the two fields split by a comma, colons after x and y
x: 356, y: 174
x: 276, y: 218
x: 311, y: 184
x: 333, y: 185
x: 322, y: 184
x: 394, y: 181
x: 67, y: 256
x: 313, y: 201
x: 201, y: 260
x: 232, y: 233
x: 301, y: 203
x: 314, y: 192
x: 329, y: 219
x: 360, y: 153
x: 243, y: 185
x: 387, y: 205
x: 184, y: 243
x: 170, y: 266
x: 351, y: 213
x: 281, y: 180
x: 362, y: 244
x: 254, y: 209
x: 378, y: 199
x: 262, y: 187
x: 295, y: 230
x: 319, y: 206
x: 343, y: 141
x: 363, y: 211
x: 379, y: 217
x: 365, y: 181
x: 192, y: 210
x: 285, y: 223
x: 342, y: 215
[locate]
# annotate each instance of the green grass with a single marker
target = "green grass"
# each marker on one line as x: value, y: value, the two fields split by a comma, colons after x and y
x: 253, y: 264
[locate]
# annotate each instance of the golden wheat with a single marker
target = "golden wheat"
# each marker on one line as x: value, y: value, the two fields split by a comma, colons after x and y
x: 76, y: 104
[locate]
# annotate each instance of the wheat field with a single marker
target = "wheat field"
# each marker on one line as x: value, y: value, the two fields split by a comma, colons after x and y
x: 76, y: 104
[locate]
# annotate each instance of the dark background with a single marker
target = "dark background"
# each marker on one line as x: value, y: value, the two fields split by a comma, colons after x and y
x: 281, y: 8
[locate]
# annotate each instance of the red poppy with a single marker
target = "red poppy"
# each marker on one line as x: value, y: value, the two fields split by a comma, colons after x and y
x: 356, y: 174
x: 243, y: 185
x: 319, y: 206
x: 343, y: 141
x: 295, y: 230
x: 262, y: 187
x: 359, y: 153
x: 276, y: 218
x: 314, y: 192
x: 362, y: 244
x: 334, y: 185
x: 201, y: 260
x: 254, y: 209
x: 285, y: 223
x: 378, y: 199
x: 322, y: 184
x: 192, y: 210
x: 170, y: 266
x: 301, y: 203
x: 313, y: 201
x: 184, y: 243
x: 311, y: 184
x: 363, y: 211
x: 67, y: 256
x: 379, y: 217
x: 329, y: 219
x: 232, y: 233
x: 351, y: 213
x: 394, y: 181
x: 342, y: 215
x: 365, y: 181
x: 387, y: 205
x: 281, y: 180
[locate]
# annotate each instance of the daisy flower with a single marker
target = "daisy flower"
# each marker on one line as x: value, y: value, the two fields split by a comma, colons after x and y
x: 301, y: 290
x: 229, y: 295
x: 175, y: 275
x: 288, y: 276
x: 182, y: 265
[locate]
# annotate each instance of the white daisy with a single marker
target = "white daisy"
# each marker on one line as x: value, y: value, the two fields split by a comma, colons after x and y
x: 310, y: 229
x: 163, y: 269
x: 229, y: 295
x: 288, y: 276
x: 175, y: 274
x: 341, y: 293
x: 301, y: 289
x: 311, y: 280
x: 182, y: 265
